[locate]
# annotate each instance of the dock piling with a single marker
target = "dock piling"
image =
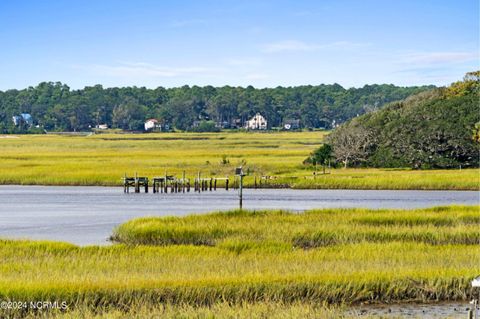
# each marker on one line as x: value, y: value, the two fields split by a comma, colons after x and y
x: 172, y: 184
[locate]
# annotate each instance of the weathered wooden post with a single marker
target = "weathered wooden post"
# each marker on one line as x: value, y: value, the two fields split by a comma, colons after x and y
x: 226, y: 184
x: 137, y: 186
x: 198, y: 176
x: 215, y: 185
x: 166, y: 184
x: 255, y: 183
x: 211, y: 184
x: 241, y: 191
x: 183, y: 182
x: 240, y: 174
x: 146, y: 184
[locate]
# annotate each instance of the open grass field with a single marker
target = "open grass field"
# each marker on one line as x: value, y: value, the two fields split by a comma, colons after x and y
x: 103, y: 159
x: 255, y: 262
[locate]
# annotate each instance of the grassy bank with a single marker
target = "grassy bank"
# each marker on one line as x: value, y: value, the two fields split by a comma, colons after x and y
x: 281, y: 230
x: 254, y: 260
x: 103, y: 159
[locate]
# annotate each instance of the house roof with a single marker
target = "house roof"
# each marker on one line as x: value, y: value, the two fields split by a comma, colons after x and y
x: 152, y: 120
x: 258, y: 115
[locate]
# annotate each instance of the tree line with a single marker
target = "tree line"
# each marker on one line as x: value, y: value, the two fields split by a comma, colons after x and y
x: 56, y: 107
x: 439, y: 128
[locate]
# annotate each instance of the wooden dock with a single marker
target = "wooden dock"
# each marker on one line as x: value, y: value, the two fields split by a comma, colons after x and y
x: 136, y: 182
x: 172, y: 184
x: 169, y: 182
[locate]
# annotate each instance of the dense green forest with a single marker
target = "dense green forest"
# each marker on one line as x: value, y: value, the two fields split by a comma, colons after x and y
x: 433, y: 129
x: 55, y: 107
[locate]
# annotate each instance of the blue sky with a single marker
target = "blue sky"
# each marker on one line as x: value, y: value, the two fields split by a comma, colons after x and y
x: 261, y: 43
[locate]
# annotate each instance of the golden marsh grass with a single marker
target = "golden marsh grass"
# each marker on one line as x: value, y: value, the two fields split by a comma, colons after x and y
x: 103, y: 159
x: 253, y: 262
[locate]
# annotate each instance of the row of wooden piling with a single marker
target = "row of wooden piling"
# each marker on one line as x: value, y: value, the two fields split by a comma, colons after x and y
x: 205, y: 184
x: 171, y: 184
x: 136, y: 182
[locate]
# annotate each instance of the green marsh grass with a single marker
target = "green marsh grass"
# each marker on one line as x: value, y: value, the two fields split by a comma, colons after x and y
x: 250, y: 262
x: 103, y: 160
x: 282, y: 229
x: 121, y: 275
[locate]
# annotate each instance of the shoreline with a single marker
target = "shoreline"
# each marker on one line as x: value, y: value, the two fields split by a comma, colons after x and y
x: 277, y: 187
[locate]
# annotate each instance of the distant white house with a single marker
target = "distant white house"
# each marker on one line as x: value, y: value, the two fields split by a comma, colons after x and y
x: 151, y: 124
x: 156, y: 125
x: 102, y: 126
x: 258, y: 122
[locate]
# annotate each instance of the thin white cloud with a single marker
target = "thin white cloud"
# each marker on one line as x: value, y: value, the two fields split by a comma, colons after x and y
x: 438, y: 57
x: 141, y: 69
x: 300, y: 46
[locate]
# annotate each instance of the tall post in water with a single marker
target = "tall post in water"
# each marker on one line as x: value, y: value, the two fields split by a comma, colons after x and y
x: 198, y: 179
x: 137, y: 186
x: 166, y: 185
x: 241, y: 191
x: 183, y: 182
x: 240, y: 174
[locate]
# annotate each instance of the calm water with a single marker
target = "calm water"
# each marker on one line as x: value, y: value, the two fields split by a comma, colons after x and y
x: 87, y: 215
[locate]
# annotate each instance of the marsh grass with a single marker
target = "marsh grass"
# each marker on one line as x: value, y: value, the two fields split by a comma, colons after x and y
x: 117, y: 276
x: 104, y: 159
x: 239, y: 230
x: 220, y: 310
x: 248, y: 262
